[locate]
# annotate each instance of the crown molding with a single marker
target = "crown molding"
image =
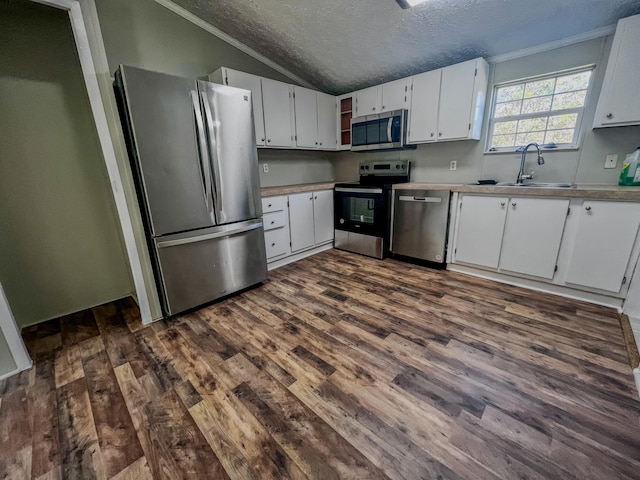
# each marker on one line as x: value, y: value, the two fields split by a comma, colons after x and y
x: 545, y: 47
x: 187, y: 15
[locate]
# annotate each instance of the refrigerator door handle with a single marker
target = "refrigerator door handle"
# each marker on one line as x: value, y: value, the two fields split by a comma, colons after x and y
x: 213, y: 148
x: 227, y: 232
x: 205, y: 169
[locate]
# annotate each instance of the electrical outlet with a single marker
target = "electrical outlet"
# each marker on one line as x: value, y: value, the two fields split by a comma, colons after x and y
x: 611, y: 161
x: 265, y: 167
x: 453, y: 165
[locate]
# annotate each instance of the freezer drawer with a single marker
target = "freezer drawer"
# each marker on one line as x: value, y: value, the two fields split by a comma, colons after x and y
x: 420, y: 224
x: 198, y: 267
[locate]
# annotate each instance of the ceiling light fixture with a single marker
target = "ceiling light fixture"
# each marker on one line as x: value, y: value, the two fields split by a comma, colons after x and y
x: 409, y: 3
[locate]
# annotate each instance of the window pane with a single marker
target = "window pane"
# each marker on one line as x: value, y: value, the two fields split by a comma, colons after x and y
x: 532, y: 124
x: 507, y: 94
x: 569, y: 100
x: 528, y: 137
x: 503, y: 141
x: 559, y: 136
x: 577, y: 81
x: 507, y: 109
x: 563, y: 121
x: 540, y: 88
x: 535, y: 105
x: 503, y: 128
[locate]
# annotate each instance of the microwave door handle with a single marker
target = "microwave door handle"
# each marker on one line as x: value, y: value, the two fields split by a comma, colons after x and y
x: 389, y: 130
x: 202, y: 152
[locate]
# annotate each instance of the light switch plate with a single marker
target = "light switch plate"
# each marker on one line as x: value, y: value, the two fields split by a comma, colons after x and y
x: 611, y: 161
x: 265, y: 167
x: 453, y: 165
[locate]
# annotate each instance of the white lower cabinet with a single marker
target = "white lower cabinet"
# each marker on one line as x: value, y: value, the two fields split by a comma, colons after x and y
x: 311, y: 219
x: 605, y: 238
x: 480, y: 230
x: 532, y: 235
x: 595, y: 251
x: 296, y: 223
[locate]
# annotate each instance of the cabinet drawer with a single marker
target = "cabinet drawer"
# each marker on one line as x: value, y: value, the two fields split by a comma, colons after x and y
x: 276, y: 242
x: 274, y: 220
x: 274, y: 204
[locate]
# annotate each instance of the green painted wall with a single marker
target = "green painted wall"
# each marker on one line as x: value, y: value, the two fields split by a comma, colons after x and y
x: 60, y: 246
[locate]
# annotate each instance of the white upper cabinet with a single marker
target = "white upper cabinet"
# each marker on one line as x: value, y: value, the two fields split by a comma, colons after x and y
x: 480, y: 229
x: 233, y: 78
x: 306, y: 109
x: 458, y: 105
x: 423, y: 110
x: 619, y: 102
x: 327, y: 133
x: 276, y: 103
x: 393, y: 95
x: 315, y: 114
x: 532, y: 235
x: 367, y: 101
x: 603, y: 244
x: 382, y: 98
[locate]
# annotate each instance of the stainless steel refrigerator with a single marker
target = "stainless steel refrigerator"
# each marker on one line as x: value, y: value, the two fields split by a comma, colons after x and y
x: 194, y: 158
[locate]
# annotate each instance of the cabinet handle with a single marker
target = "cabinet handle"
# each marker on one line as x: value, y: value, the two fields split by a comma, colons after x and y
x: 269, y: 140
x: 514, y: 204
x: 440, y: 134
x: 320, y: 143
x: 383, y: 107
x: 588, y: 209
x: 272, y: 222
x: 609, y: 115
x: 262, y: 139
x: 374, y: 109
x: 273, y: 244
x: 502, y: 204
x: 269, y: 206
x: 432, y: 134
x: 315, y: 197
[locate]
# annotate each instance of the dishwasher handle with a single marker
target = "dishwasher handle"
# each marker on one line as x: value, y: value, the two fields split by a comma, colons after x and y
x: 407, y: 198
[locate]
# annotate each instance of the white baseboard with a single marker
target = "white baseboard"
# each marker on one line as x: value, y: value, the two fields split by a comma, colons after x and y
x: 299, y: 256
x: 10, y: 374
x: 559, y: 290
x: 636, y: 374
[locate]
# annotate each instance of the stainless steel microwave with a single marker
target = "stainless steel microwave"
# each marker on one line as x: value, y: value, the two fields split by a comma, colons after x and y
x: 381, y: 131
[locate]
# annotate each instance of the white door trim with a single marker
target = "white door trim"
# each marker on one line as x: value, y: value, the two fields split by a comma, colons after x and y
x: 74, y: 8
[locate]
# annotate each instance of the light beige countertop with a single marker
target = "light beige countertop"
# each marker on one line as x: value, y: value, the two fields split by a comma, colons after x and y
x: 595, y: 192
x: 305, y: 187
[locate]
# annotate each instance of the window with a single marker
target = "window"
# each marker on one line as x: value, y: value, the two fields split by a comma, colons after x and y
x: 546, y: 110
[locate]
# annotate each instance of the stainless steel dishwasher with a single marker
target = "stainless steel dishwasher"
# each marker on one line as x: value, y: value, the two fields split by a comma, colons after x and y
x: 420, y: 223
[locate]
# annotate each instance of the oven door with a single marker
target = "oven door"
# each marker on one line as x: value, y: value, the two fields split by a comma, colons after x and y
x: 361, y: 210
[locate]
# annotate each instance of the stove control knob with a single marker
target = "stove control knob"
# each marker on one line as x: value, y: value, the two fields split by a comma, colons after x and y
x: 398, y: 167
x: 361, y: 167
x: 341, y: 221
x: 404, y: 167
x: 367, y: 167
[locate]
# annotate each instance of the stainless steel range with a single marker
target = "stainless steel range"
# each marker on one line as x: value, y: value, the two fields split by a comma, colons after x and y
x: 363, y: 210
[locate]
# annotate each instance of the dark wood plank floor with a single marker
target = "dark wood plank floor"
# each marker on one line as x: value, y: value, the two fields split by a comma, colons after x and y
x: 339, y: 366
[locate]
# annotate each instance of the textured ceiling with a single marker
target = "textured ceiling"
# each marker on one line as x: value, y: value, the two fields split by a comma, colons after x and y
x: 343, y: 45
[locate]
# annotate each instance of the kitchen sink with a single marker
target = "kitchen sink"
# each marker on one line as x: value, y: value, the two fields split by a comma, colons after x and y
x: 537, y: 185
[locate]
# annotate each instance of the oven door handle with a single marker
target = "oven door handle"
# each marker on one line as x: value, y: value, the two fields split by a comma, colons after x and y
x: 407, y: 198
x: 358, y: 190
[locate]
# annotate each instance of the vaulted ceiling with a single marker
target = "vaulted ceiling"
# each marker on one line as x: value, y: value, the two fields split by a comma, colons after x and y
x: 343, y: 45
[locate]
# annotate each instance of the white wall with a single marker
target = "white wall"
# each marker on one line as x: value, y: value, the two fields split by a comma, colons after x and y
x: 60, y: 244
x: 430, y: 163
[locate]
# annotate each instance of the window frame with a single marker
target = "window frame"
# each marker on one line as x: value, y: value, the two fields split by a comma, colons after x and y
x: 580, y: 111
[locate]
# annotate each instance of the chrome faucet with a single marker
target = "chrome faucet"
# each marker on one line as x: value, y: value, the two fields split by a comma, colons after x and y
x: 521, y: 174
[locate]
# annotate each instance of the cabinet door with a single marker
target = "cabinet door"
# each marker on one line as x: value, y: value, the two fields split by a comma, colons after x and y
x: 250, y: 82
x: 306, y: 117
x: 456, y: 101
x: 423, y: 110
x: 393, y: 95
x: 367, y: 101
x: 532, y: 235
x: 327, y: 121
x: 323, y: 216
x: 276, y: 102
x: 619, y: 102
x: 301, y: 221
x: 480, y: 229
x: 604, y: 240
